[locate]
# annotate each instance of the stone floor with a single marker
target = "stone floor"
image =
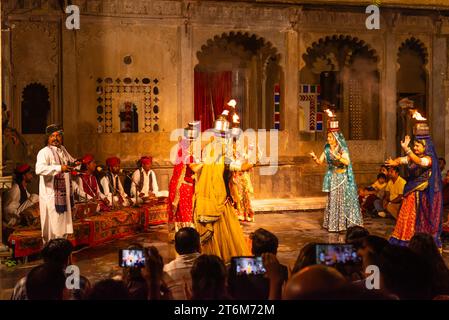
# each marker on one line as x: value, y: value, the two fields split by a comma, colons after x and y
x: 294, y: 229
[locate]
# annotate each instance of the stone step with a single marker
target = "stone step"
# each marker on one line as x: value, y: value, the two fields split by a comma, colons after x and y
x: 291, y: 204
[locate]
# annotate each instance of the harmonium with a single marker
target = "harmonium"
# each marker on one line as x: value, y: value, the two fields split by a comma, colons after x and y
x: 84, y: 210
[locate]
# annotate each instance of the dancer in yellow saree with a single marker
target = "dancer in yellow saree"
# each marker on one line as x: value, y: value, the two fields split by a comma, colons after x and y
x: 215, y: 219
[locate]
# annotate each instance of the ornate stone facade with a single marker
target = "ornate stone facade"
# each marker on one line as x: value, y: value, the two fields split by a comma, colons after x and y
x: 163, y: 39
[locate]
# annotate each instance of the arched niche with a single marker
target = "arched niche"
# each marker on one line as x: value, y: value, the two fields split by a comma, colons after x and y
x: 242, y: 66
x: 35, y: 108
x: 345, y: 71
x: 412, y: 81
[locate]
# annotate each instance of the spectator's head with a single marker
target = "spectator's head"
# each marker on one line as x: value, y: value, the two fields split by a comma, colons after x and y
x: 306, y: 257
x: 442, y: 163
x: 45, y: 282
x: 264, y: 241
x: 383, y: 169
x: 58, y: 252
x: 355, y: 235
x: 371, y: 249
x: 109, y: 289
x: 382, y: 178
x: 424, y: 246
x: 23, y: 173
x: 404, y: 273
x: 393, y: 173
x: 187, y: 241
x: 312, y: 281
x: 83, y: 292
x: 208, y: 278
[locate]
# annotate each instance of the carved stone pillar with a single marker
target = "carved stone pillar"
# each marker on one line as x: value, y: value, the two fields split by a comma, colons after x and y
x: 437, y: 110
x: 389, y: 110
x: 186, y: 75
x: 5, y: 182
x: 291, y: 85
x: 441, y: 51
x: 70, y: 90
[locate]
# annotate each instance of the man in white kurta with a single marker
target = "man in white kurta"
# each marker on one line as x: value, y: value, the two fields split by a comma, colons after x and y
x: 111, y: 186
x: 18, y: 198
x: 53, y: 161
x: 144, y: 183
x: 86, y: 187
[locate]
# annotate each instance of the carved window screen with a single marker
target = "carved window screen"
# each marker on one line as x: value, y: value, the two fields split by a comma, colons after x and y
x: 114, y: 95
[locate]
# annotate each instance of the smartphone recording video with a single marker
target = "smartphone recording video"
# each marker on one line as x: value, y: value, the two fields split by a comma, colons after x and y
x: 131, y: 258
x: 334, y: 254
x: 247, y: 266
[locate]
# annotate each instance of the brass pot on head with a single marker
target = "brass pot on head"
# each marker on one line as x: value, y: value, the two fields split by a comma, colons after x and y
x: 191, y: 132
x: 221, y: 124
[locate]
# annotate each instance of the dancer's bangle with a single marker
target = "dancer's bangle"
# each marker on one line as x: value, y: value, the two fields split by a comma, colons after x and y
x: 408, y: 151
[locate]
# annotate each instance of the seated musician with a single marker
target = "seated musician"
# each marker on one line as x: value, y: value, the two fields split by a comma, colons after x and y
x: 86, y: 186
x: 111, y: 186
x: 144, y: 185
x: 18, y: 199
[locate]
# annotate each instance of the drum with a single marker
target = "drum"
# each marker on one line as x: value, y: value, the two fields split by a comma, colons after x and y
x: 30, y: 217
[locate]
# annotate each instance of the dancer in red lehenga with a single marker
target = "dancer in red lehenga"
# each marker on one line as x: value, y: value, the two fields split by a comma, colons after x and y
x: 182, y: 187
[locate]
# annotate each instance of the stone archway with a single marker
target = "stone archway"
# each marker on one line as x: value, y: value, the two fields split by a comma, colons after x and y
x: 254, y: 72
x: 346, y: 70
x: 35, y: 108
x: 412, y: 82
x: 412, y: 76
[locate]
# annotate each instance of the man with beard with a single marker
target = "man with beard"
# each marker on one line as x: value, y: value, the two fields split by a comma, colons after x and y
x: 55, y: 191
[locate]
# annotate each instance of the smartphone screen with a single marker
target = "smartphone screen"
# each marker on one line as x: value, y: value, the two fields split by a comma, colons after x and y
x: 247, y: 266
x: 131, y: 258
x: 332, y: 254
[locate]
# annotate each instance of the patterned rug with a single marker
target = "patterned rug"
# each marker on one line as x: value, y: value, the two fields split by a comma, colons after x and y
x: 93, y: 229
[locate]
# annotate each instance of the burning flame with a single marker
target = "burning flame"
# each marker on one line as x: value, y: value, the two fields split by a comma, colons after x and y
x: 235, y: 118
x: 416, y: 115
x: 232, y: 103
x: 329, y: 113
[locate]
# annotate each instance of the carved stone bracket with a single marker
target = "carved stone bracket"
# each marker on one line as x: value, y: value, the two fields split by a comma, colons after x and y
x: 249, y: 14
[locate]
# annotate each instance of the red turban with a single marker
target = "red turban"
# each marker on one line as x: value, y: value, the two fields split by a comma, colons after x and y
x: 146, y: 160
x: 112, y: 162
x: 22, y: 169
x: 88, y: 158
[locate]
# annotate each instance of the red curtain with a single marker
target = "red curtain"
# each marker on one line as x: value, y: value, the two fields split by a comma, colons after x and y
x: 212, y: 91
